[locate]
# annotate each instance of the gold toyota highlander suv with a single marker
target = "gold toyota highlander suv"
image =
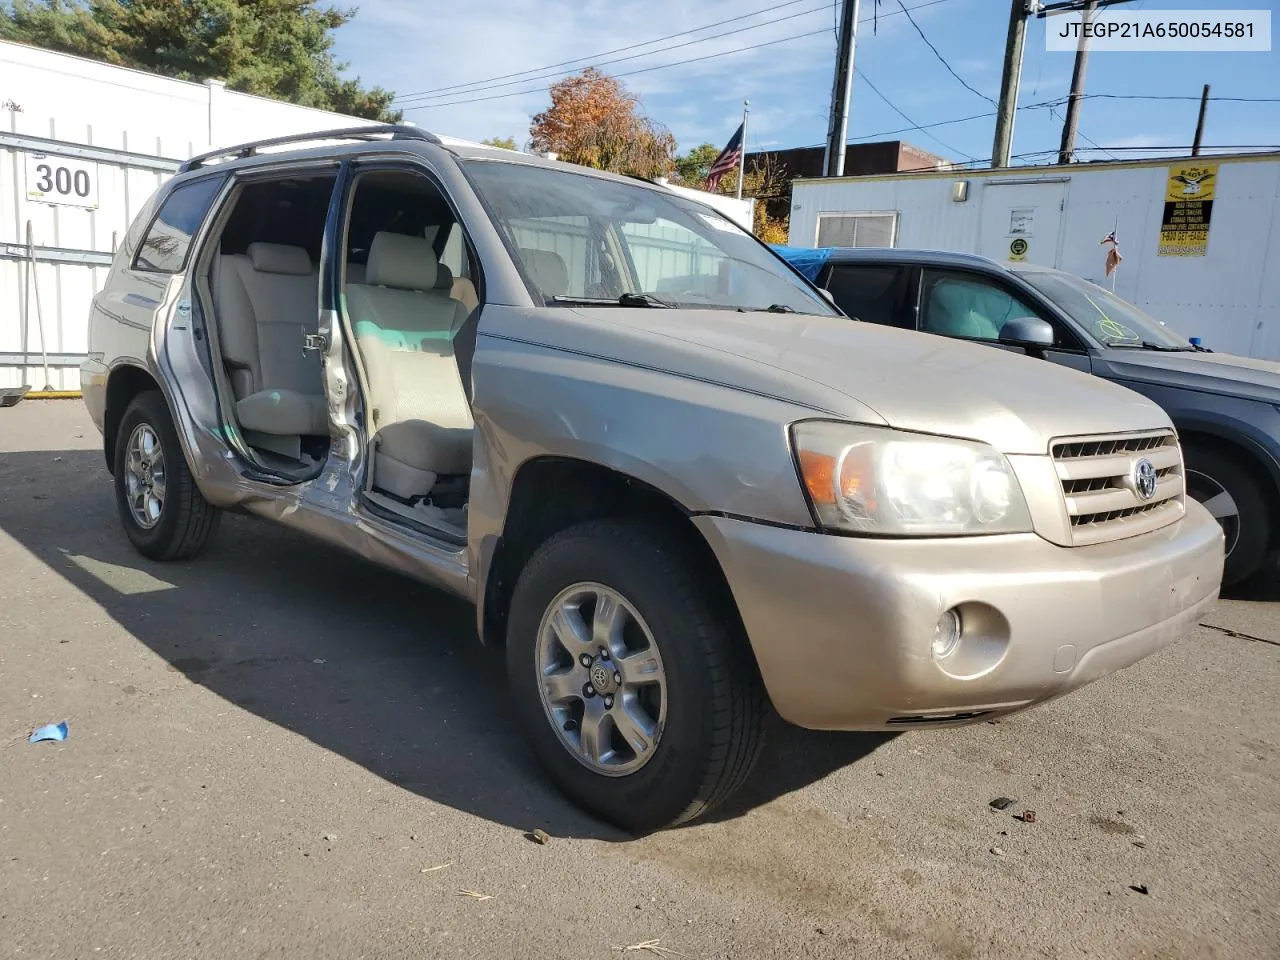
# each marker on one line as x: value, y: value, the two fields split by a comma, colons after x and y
x: 676, y: 483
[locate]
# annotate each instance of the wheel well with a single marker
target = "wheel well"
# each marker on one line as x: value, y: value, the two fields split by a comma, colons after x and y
x: 123, y: 385
x: 551, y: 494
x: 1245, y: 458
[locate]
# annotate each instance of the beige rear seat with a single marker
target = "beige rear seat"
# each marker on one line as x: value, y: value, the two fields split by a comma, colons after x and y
x: 266, y: 303
x: 404, y: 326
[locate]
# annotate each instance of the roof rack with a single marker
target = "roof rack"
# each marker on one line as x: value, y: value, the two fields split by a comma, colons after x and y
x: 370, y: 132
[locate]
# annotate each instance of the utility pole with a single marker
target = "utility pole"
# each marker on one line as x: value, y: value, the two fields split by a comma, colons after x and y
x: 1009, y: 81
x: 1204, y: 107
x: 841, y: 91
x: 1066, y: 152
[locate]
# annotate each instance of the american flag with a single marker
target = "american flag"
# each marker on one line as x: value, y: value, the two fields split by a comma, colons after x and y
x: 728, y: 160
x: 1113, y: 255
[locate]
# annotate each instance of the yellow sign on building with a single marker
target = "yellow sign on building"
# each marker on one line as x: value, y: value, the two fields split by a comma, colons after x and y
x: 1188, y: 208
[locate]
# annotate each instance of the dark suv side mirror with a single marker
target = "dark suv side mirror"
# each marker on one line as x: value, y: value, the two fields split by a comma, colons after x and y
x: 1027, y: 332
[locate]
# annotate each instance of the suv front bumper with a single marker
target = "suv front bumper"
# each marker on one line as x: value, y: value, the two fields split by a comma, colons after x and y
x: 842, y: 627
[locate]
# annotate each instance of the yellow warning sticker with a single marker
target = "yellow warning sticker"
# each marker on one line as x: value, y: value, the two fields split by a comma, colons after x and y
x: 1018, y: 249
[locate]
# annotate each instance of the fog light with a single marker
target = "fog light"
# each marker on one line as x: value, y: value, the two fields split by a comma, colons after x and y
x: 946, y: 634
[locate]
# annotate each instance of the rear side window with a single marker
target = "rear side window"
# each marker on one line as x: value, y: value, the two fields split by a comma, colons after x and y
x: 876, y: 294
x: 165, y: 247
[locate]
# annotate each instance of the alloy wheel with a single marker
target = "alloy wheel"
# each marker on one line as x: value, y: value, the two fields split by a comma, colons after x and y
x: 601, y: 679
x: 145, y: 476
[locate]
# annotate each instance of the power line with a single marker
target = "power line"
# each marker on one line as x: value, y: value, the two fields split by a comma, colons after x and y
x: 628, y: 73
x: 605, y: 63
x: 1053, y: 112
x: 606, y: 53
x: 1223, y: 146
x: 942, y: 123
x: 893, y: 106
x: 478, y: 86
x: 1141, y: 96
x: 943, y: 60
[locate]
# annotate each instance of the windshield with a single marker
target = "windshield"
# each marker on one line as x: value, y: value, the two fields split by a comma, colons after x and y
x: 577, y: 238
x: 1112, y: 321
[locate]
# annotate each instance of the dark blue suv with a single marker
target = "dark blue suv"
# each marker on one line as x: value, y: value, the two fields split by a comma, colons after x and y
x: 1226, y: 408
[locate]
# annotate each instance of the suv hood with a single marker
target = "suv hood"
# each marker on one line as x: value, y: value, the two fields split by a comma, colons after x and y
x: 857, y: 371
x: 1221, y: 373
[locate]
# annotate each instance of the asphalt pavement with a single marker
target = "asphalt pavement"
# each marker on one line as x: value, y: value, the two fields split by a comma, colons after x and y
x: 277, y: 750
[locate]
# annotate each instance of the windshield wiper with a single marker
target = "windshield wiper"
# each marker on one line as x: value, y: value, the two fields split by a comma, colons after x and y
x: 626, y: 300
x: 642, y: 300
x: 1148, y: 345
x: 771, y: 308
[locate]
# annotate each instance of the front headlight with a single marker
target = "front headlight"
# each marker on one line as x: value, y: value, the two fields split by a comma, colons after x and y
x: 874, y: 480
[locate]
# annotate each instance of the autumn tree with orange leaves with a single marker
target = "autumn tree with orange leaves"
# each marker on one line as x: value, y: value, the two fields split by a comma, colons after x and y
x: 595, y: 121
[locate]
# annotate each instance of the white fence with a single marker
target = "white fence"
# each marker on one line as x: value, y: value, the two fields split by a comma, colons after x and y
x: 82, y: 147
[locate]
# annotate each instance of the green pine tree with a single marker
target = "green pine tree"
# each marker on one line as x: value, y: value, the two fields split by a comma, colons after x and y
x: 273, y: 48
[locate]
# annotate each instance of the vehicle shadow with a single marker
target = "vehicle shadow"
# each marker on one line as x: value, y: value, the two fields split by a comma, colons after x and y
x: 362, y: 662
x: 1262, y: 587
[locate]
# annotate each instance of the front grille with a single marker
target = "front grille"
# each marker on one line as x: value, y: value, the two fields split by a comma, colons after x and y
x: 1099, y: 477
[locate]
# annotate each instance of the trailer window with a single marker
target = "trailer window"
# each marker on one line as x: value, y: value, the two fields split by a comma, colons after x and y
x: 857, y: 229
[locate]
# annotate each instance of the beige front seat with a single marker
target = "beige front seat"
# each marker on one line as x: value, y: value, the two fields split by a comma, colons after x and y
x: 404, y: 326
x: 459, y: 288
x: 266, y: 303
x: 547, y: 270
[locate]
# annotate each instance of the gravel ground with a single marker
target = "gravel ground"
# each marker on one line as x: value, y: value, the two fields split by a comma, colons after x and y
x: 277, y: 750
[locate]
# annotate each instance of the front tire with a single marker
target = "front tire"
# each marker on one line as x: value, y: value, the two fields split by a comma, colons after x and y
x: 163, y: 512
x: 1236, y: 500
x: 630, y: 678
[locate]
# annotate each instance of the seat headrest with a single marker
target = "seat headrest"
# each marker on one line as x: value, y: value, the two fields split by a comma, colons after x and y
x: 444, y: 278
x: 279, y: 258
x: 547, y: 270
x: 397, y: 260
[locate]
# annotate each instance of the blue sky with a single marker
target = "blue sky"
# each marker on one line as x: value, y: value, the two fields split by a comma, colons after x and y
x: 396, y: 44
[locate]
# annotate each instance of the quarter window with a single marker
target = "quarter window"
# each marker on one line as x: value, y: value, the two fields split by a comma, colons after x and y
x: 168, y: 241
x: 875, y: 294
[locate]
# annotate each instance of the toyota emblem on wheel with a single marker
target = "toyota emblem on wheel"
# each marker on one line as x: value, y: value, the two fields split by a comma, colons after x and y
x: 1144, y: 479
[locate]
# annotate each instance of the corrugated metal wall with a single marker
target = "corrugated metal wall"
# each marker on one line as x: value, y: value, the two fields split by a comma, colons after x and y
x: 1230, y: 296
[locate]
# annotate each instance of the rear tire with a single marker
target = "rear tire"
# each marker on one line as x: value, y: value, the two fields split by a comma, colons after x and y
x: 711, y: 696
x: 1236, y: 499
x: 163, y: 512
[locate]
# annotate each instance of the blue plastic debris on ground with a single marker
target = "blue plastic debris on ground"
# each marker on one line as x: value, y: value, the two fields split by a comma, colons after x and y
x: 809, y: 262
x: 50, y: 731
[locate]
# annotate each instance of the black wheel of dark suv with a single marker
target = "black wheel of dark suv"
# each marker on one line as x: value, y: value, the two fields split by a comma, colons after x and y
x: 1236, y: 499
x: 163, y: 512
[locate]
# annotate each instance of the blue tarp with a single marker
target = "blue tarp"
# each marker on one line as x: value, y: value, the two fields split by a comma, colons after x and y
x: 808, y: 261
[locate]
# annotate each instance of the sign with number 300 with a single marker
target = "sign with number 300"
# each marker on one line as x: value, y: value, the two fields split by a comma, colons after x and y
x: 62, y: 180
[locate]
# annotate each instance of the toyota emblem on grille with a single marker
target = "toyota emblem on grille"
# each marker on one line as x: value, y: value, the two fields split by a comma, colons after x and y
x: 1144, y: 479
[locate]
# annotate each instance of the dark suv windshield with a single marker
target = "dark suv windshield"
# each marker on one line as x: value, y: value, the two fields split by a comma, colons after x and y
x: 577, y: 238
x: 1110, y: 320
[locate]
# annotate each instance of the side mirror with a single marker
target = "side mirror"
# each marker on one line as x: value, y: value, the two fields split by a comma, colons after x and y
x: 1027, y: 332
x: 826, y: 293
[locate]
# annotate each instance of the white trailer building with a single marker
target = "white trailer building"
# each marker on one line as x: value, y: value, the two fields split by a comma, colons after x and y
x: 1198, y: 235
